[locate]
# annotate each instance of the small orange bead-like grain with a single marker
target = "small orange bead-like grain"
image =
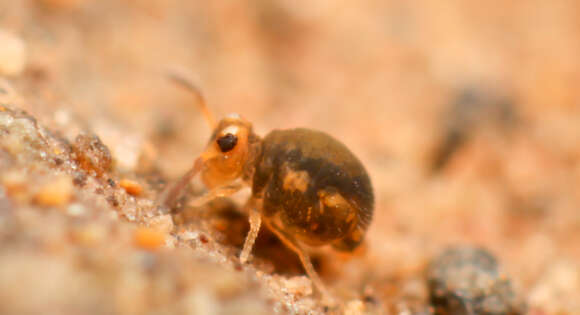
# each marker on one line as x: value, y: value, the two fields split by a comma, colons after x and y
x: 89, y: 235
x: 148, y: 239
x: 55, y: 193
x: 14, y: 182
x: 132, y: 187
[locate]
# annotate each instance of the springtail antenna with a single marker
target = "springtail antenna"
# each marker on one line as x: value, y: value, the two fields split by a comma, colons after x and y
x: 187, y: 84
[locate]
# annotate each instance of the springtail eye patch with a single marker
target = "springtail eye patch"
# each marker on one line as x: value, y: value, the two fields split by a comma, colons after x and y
x: 227, y: 142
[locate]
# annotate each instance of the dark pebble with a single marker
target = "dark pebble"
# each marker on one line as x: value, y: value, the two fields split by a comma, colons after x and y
x: 466, y: 280
x: 113, y: 201
x: 79, y: 179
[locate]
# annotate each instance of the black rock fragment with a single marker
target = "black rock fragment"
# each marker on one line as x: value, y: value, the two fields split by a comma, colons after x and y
x: 466, y: 280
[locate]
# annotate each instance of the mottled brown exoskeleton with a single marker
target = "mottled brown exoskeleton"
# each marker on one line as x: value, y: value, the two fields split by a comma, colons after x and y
x: 307, y: 187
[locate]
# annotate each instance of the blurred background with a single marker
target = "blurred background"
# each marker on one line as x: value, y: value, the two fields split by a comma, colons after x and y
x: 466, y: 114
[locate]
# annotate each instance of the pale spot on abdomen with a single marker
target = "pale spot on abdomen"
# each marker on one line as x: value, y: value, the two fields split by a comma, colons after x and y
x: 296, y: 180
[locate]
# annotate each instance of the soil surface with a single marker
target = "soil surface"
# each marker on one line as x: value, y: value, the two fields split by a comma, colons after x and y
x: 465, y: 114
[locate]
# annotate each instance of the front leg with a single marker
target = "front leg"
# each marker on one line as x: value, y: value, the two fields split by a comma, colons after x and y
x: 173, y: 192
x: 255, y: 217
x: 222, y: 191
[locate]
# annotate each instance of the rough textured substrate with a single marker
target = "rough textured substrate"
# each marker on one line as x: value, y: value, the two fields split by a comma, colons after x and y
x: 72, y: 242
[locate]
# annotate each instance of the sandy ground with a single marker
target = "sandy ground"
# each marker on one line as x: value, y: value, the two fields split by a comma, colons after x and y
x: 466, y: 115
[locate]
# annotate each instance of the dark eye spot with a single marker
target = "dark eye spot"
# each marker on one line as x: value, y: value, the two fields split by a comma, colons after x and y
x: 227, y: 142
